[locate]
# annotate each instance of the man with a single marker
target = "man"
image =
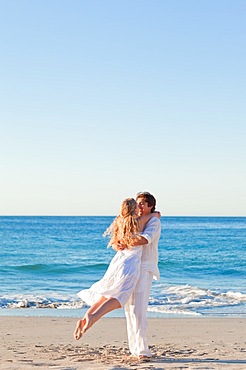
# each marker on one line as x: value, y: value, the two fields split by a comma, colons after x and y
x: 136, y: 307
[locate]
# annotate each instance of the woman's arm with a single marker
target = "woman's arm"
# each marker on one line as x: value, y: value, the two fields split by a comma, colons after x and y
x: 140, y: 240
x: 143, y: 220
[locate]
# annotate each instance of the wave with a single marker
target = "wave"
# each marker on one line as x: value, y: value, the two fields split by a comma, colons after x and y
x: 190, y: 300
x: 29, y: 301
x: 55, y: 268
x: 173, y: 300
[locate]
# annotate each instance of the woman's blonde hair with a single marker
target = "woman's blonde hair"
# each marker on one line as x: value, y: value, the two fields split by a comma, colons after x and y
x: 125, y: 227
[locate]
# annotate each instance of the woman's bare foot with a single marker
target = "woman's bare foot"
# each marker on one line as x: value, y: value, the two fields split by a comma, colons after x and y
x: 79, y: 330
x: 89, y: 321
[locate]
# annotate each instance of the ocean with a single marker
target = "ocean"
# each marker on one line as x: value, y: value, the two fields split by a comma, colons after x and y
x: 45, y: 261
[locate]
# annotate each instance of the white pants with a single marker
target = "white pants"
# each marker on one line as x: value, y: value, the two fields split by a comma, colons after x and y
x: 136, y: 315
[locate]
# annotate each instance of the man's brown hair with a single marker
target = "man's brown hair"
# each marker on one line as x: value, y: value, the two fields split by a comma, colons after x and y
x: 147, y: 197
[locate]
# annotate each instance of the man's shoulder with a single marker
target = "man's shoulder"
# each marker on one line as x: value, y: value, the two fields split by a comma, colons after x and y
x: 152, y: 229
x: 153, y: 221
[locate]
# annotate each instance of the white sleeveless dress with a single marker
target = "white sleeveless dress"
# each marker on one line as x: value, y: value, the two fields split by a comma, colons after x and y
x: 119, y: 280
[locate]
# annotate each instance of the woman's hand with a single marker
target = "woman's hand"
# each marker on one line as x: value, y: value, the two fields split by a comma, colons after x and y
x: 157, y: 214
x: 121, y: 246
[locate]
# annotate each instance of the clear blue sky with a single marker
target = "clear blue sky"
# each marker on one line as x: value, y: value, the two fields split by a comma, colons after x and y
x: 102, y: 99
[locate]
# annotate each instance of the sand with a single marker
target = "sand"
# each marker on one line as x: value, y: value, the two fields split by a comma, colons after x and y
x: 47, y: 343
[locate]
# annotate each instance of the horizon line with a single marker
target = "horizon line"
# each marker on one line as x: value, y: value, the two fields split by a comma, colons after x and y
x: 71, y: 215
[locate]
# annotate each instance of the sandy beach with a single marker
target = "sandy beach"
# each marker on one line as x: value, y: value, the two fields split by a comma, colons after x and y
x: 197, y: 343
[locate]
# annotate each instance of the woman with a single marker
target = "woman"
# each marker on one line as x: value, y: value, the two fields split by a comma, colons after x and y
x: 116, y: 286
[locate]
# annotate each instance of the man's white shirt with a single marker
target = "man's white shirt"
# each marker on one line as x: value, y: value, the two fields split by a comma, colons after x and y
x: 149, y: 260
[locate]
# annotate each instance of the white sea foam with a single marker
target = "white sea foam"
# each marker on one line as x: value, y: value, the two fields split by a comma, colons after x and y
x: 172, y: 311
x: 190, y: 300
x: 174, y: 300
x: 30, y: 301
x: 236, y: 296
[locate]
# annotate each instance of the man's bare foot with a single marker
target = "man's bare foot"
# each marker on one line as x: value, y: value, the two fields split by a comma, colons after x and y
x: 78, y: 332
x: 143, y: 358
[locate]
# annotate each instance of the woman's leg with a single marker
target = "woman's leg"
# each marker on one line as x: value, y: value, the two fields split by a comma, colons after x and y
x: 80, y: 323
x: 94, y: 313
x: 108, y: 305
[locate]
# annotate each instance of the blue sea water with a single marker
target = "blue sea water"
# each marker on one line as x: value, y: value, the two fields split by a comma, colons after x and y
x: 45, y: 261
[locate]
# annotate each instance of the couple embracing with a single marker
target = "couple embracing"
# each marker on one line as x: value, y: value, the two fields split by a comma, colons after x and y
x: 134, y: 234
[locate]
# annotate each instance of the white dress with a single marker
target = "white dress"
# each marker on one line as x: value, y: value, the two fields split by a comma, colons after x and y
x: 119, y: 280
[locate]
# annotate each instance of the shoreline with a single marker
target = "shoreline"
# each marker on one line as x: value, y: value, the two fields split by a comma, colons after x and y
x: 176, y: 343
x: 119, y: 313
